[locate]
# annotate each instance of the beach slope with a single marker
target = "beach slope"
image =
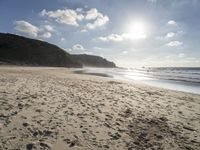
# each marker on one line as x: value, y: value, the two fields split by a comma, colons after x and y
x: 53, y: 108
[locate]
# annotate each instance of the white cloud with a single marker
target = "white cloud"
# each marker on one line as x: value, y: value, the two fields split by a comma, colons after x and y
x: 111, y: 37
x: 73, y: 17
x: 49, y: 28
x: 26, y: 27
x: 46, y: 31
x: 33, y: 31
x: 78, y: 47
x: 172, y: 23
x: 79, y: 9
x: 121, y: 37
x: 99, y: 18
x: 65, y: 16
x: 170, y: 35
x: 174, y: 44
x: 69, y: 50
x: 97, y: 48
x: 46, y: 35
x: 87, y: 52
x: 100, y: 21
x: 92, y: 14
x: 103, y: 38
x: 62, y: 39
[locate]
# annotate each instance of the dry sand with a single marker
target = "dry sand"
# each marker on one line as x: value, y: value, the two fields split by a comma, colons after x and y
x: 52, y: 108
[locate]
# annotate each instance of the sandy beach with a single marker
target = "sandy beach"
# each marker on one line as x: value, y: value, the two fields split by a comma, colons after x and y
x: 53, y: 108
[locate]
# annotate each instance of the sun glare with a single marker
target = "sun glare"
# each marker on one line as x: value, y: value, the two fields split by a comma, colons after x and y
x: 136, y: 30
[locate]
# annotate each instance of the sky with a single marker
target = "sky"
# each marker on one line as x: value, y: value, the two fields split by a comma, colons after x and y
x: 132, y: 33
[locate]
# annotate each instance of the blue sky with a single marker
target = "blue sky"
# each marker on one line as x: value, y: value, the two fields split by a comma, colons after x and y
x: 129, y: 32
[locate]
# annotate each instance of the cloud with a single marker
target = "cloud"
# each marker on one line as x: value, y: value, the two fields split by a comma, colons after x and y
x: 46, y: 35
x: 99, y: 18
x: 91, y: 18
x: 87, y: 52
x: 49, y: 28
x: 68, y: 49
x: 46, y: 31
x: 170, y: 35
x: 172, y: 23
x: 111, y: 37
x: 174, y: 44
x: 26, y: 27
x: 97, y: 48
x: 65, y: 16
x: 92, y: 14
x: 79, y: 9
x: 122, y: 37
x: 78, y: 47
x: 33, y: 31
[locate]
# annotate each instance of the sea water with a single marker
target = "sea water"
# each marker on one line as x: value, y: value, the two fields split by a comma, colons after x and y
x: 174, y: 78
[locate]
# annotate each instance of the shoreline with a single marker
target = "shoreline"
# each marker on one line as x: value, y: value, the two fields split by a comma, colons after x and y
x: 169, y: 84
x: 95, y: 74
x: 53, y: 108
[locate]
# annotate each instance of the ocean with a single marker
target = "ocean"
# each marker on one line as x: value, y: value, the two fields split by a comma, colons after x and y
x: 174, y: 78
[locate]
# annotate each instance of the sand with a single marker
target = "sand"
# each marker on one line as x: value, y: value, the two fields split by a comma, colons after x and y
x: 53, y: 108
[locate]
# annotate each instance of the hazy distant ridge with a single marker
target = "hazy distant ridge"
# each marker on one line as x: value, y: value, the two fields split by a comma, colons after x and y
x: 96, y: 61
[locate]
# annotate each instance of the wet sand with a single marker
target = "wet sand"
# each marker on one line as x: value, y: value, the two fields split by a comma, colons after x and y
x: 53, y: 108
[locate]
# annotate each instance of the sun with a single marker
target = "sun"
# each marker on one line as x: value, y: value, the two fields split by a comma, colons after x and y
x: 136, y: 30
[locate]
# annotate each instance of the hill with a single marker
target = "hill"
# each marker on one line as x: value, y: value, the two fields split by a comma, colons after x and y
x: 93, y: 61
x: 19, y: 50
